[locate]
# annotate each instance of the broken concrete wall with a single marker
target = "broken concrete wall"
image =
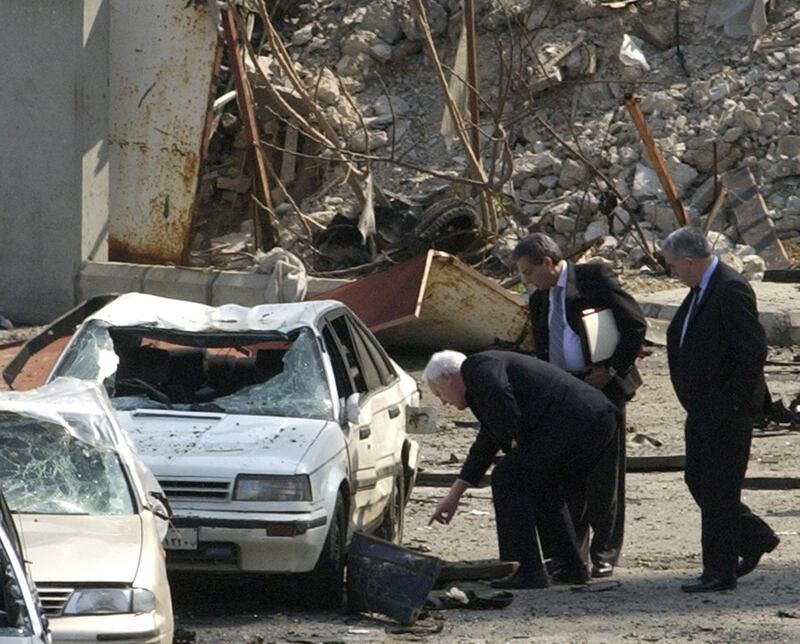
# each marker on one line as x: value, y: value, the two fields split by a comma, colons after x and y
x: 103, y: 112
x: 54, y: 166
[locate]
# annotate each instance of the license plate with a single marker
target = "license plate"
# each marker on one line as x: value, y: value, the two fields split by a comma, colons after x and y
x: 181, y: 539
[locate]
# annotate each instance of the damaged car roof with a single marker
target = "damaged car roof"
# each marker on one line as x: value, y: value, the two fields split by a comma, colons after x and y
x: 138, y: 309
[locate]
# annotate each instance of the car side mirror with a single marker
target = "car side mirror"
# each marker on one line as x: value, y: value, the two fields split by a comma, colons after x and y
x: 352, y: 411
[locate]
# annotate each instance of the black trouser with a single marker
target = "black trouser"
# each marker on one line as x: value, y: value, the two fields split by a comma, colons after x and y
x: 716, y: 461
x: 529, y: 488
x: 602, y: 507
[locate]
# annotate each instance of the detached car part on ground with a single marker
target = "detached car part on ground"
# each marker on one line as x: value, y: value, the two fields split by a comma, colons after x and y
x: 88, y: 514
x: 275, y: 431
x: 22, y: 619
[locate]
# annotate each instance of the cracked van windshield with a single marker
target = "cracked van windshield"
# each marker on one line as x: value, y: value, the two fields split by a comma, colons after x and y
x: 46, y: 470
x: 275, y: 376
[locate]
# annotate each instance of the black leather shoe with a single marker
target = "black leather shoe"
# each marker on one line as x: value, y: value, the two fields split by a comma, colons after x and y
x: 708, y: 585
x: 602, y: 569
x: 570, y: 576
x: 523, y: 580
x: 750, y: 561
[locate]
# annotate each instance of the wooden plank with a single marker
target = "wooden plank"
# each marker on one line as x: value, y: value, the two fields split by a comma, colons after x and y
x: 265, y: 229
x: 771, y: 483
x: 653, y: 153
x: 752, y: 218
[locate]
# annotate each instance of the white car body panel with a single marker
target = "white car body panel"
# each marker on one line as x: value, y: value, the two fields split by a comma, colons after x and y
x: 190, y: 452
x: 103, y: 549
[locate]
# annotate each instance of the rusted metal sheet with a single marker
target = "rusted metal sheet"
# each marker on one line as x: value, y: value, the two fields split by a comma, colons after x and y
x: 433, y: 302
x: 161, y: 60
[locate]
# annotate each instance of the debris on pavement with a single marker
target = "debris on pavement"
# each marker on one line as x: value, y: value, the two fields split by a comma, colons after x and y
x: 386, y: 578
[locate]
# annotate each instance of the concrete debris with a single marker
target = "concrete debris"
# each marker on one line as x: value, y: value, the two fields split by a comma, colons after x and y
x: 737, y: 111
x: 739, y: 18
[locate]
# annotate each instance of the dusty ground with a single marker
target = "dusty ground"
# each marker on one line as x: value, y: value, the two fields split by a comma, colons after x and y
x: 641, y: 603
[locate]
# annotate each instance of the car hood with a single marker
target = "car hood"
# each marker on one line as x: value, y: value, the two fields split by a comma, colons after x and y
x: 81, y: 549
x: 163, y: 436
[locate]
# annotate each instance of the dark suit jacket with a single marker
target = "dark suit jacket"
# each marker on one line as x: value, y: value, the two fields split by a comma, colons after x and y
x: 595, y: 286
x: 719, y: 370
x: 518, y: 397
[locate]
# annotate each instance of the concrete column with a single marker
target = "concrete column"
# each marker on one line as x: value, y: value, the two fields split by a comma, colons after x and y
x: 53, y: 167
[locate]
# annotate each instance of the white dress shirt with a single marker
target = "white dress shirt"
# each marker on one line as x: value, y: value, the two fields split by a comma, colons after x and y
x: 573, y: 353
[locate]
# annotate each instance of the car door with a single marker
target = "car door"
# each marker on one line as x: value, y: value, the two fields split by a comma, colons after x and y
x: 374, y: 472
x: 389, y: 410
x: 358, y: 435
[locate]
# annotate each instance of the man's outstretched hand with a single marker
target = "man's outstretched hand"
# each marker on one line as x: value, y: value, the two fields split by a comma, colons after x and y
x: 447, y: 506
x: 445, y: 510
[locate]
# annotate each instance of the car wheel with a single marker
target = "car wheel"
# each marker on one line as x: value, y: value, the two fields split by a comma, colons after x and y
x: 391, y: 529
x: 326, y: 581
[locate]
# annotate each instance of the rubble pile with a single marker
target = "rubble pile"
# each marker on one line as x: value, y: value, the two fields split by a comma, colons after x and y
x: 713, y: 104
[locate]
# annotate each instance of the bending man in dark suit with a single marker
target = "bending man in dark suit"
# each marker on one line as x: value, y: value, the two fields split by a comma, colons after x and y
x: 552, y: 427
x: 716, y: 349
x: 563, y: 291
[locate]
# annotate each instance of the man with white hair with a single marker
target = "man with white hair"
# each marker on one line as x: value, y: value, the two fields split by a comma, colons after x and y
x: 716, y: 348
x: 552, y: 427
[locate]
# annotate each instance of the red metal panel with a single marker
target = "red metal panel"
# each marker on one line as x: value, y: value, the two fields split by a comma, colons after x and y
x: 37, y: 368
x: 385, y: 298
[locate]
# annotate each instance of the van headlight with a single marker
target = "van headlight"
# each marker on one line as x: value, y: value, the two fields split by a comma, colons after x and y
x: 104, y: 601
x: 269, y: 487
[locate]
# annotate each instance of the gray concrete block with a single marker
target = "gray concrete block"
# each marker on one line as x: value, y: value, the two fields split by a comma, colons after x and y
x: 794, y: 327
x: 99, y: 278
x: 656, y: 331
x: 190, y: 284
x: 778, y: 307
x: 239, y: 287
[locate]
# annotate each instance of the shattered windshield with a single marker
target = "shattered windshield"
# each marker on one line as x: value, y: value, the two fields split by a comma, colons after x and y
x: 237, y: 373
x: 46, y: 470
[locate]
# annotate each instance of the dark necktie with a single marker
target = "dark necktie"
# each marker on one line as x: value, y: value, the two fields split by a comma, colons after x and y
x: 557, y: 329
x: 693, y: 302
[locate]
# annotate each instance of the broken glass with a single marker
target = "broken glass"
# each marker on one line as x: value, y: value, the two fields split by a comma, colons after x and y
x: 91, y: 356
x: 300, y: 390
x: 44, y: 469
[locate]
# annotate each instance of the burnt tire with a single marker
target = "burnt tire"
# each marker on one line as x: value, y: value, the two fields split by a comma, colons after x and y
x: 324, y: 586
x: 391, y: 528
x: 451, y: 225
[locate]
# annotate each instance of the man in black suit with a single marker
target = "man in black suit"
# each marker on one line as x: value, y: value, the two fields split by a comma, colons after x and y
x: 564, y: 291
x: 716, y: 349
x: 552, y: 427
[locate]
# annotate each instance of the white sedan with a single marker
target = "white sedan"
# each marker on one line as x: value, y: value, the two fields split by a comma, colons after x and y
x: 276, y: 431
